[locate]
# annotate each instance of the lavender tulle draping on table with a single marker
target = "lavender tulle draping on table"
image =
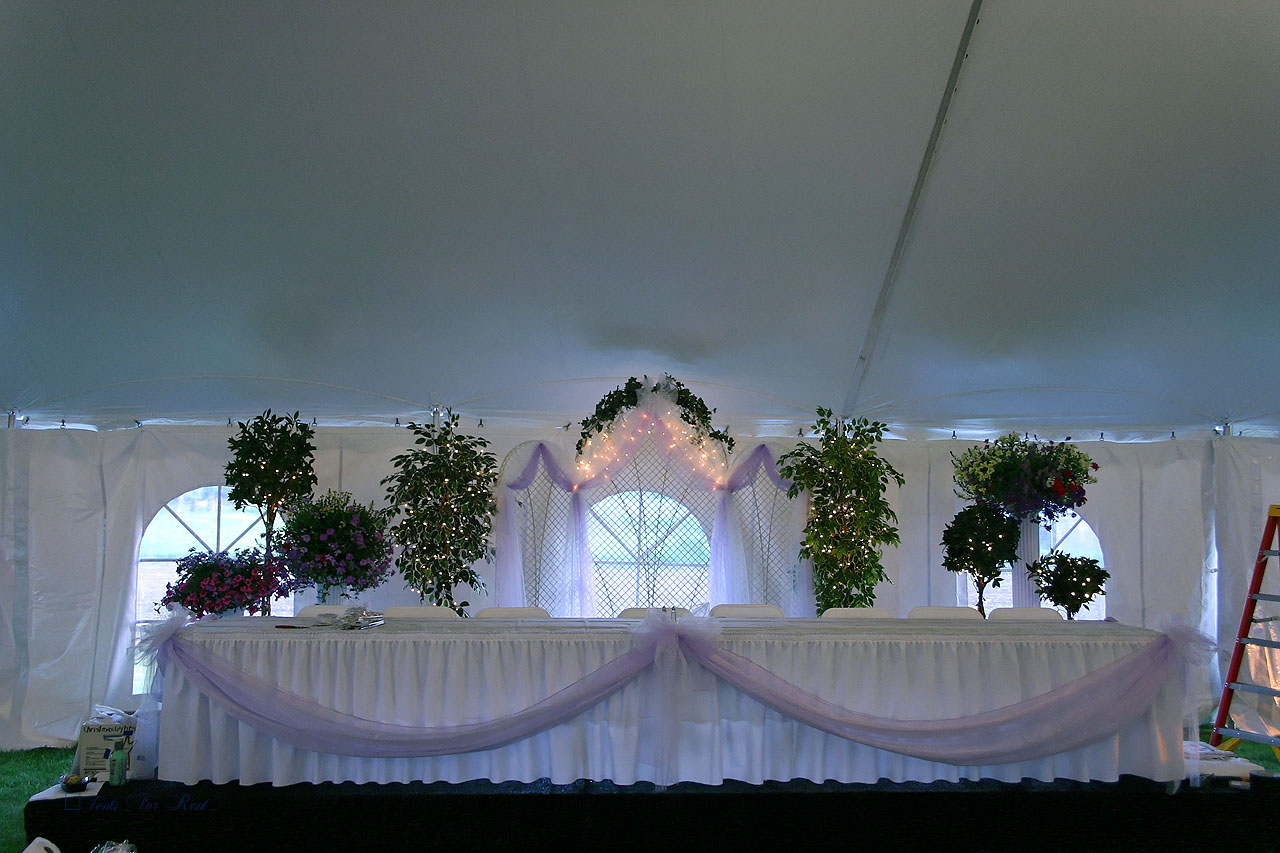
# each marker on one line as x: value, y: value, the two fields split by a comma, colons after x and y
x: 1087, y: 709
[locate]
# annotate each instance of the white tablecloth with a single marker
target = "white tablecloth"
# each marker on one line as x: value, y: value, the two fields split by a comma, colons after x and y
x: 430, y: 673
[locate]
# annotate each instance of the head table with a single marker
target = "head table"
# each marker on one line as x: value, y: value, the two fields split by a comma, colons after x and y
x: 263, y: 699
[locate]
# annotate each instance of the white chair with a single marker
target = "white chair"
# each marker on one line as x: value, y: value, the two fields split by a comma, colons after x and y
x: 1001, y: 614
x: 747, y: 611
x: 419, y: 611
x: 642, y: 612
x: 323, y: 610
x: 511, y: 613
x: 924, y: 611
x: 855, y: 613
x: 43, y: 845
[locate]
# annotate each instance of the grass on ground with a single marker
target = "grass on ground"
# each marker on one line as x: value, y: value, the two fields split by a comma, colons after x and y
x: 23, y: 773
x: 1260, y: 754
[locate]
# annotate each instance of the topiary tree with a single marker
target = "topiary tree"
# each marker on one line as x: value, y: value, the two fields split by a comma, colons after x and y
x: 442, y: 492
x: 1068, y: 582
x: 271, y: 465
x: 979, y: 542
x: 849, y: 518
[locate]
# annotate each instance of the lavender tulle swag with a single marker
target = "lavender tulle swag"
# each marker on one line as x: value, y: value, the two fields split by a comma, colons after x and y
x: 221, y: 583
x: 335, y: 544
x: 1025, y: 478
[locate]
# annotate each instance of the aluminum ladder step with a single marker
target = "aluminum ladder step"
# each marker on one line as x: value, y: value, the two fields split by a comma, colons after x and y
x: 1249, y: 736
x: 1253, y: 688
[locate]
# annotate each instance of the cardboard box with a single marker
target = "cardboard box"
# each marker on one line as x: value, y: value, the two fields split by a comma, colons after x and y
x: 93, y: 750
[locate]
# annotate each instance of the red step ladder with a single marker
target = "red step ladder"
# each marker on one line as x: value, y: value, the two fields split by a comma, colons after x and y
x: 1220, y: 728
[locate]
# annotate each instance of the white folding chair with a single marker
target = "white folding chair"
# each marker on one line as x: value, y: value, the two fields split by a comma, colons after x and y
x: 925, y: 611
x: 419, y: 611
x: 642, y: 612
x: 747, y: 611
x: 323, y: 610
x: 41, y: 845
x: 511, y: 613
x: 1001, y: 614
x: 855, y: 613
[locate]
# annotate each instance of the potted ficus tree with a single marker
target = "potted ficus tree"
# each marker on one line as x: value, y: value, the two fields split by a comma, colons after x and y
x: 979, y: 542
x: 1068, y: 582
x: 850, y: 519
x: 441, y: 495
x: 271, y: 465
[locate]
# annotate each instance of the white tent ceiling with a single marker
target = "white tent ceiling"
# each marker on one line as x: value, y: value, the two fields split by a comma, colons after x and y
x: 359, y: 210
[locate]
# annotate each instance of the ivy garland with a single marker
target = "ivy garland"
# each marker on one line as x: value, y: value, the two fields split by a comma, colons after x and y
x: 693, y: 410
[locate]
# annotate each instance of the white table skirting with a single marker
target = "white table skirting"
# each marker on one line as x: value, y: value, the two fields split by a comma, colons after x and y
x: 421, y: 673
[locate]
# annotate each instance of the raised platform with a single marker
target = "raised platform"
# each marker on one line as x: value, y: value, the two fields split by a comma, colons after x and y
x: 1133, y: 814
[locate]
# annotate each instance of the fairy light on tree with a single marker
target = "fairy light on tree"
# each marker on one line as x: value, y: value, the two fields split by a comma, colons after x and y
x: 980, y: 541
x: 850, y: 519
x: 688, y: 419
x: 271, y: 465
x: 1032, y: 482
x: 442, y: 490
x: 1068, y: 582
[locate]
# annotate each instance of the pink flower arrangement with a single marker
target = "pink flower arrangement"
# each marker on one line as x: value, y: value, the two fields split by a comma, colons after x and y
x: 224, y: 583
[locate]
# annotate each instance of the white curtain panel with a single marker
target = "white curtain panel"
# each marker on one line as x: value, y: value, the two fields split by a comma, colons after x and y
x: 73, y: 504
x: 1247, y: 483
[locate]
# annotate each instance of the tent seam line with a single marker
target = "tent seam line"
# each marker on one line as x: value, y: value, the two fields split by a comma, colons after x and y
x: 909, y: 215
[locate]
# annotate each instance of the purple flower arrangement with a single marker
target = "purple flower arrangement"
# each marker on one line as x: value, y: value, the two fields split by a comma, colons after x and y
x: 219, y: 582
x: 335, y: 544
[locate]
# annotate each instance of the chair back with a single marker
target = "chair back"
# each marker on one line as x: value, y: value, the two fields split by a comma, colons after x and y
x: 927, y: 612
x: 856, y: 613
x: 642, y: 612
x: 1002, y: 614
x: 511, y: 613
x: 419, y: 611
x: 747, y: 611
x: 323, y: 610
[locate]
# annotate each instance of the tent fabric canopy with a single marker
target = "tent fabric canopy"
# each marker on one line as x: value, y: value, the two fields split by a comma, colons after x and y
x: 361, y: 211
x: 958, y: 217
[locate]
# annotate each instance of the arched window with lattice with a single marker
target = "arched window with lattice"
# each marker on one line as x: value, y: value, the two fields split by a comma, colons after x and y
x: 647, y: 535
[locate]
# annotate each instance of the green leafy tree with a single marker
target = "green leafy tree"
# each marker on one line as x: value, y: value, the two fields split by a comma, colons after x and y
x: 849, y: 517
x: 1068, y: 582
x: 979, y: 542
x: 271, y: 465
x: 442, y: 494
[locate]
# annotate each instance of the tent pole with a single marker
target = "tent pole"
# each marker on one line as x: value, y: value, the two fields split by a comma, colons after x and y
x: 909, y: 216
